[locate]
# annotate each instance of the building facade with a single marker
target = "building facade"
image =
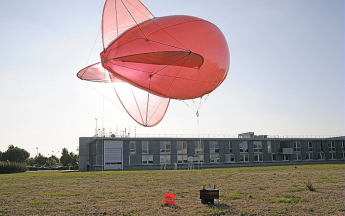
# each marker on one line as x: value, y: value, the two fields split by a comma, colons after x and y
x: 128, y: 153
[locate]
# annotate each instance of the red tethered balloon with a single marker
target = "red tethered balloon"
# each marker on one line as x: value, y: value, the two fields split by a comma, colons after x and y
x: 163, y: 58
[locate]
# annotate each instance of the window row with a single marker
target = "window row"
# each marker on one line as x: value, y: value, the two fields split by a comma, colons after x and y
x: 165, y: 148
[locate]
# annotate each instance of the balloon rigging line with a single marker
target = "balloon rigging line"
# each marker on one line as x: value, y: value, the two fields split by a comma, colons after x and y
x: 93, y: 47
x: 188, y: 105
x: 156, y: 109
x: 136, y: 102
x: 104, y: 96
x: 168, y: 45
x: 205, y: 99
x: 140, y: 10
x: 135, y: 99
x: 195, y: 105
x: 175, y: 76
x: 169, y: 65
x: 134, y: 19
x: 117, y: 25
x: 170, y: 36
x: 103, y: 108
x: 148, y: 100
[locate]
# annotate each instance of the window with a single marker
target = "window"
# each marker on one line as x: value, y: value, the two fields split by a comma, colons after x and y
x: 269, y: 147
x: 257, y: 146
x: 146, y: 158
x: 309, y: 154
x: 331, y: 150
x: 230, y: 158
x: 214, y: 152
x: 145, y: 147
x: 297, y: 156
x: 257, y: 151
x: 165, y: 150
x: 321, y: 147
x: 321, y: 154
x: 297, y: 146
x: 286, y: 158
x: 214, y: 147
x: 181, y: 152
x: 243, y: 146
x: 258, y: 157
x: 244, y: 157
x: 198, y: 152
x: 131, y: 151
x: 343, y: 146
x: 274, y: 157
x: 310, y: 146
x: 297, y: 150
x: 132, y: 147
x: 165, y: 147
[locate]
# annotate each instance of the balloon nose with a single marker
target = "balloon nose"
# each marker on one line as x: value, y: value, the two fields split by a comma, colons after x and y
x: 105, y: 60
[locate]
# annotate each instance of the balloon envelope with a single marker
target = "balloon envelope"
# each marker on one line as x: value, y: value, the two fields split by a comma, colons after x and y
x: 179, y: 57
x: 151, y: 59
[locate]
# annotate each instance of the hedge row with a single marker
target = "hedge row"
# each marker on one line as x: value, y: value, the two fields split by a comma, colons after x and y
x: 30, y: 168
x: 12, y: 167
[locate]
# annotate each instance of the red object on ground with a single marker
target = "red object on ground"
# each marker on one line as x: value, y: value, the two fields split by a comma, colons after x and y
x: 169, y: 199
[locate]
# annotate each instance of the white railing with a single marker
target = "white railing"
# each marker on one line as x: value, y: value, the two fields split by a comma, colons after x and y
x: 123, y: 135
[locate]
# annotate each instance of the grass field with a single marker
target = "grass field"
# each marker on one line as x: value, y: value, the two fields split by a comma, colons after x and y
x: 275, y: 190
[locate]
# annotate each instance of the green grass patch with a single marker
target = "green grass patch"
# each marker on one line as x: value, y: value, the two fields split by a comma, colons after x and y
x: 298, y: 189
x: 288, y: 199
x: 326, y: 180
x: 39, y: 202
x: 284, y: 211
x: 56, y: 194
x: 217, y: 209
x: 342, y: 208
x: 233, y: 196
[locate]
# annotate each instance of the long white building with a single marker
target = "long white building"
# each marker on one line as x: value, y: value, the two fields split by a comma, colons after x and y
x: 128, y: 153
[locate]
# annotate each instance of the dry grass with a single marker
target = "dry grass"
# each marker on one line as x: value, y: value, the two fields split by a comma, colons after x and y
x: 276, y: 190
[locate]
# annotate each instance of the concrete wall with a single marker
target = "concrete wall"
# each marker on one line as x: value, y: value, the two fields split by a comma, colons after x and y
x: 83, y: 152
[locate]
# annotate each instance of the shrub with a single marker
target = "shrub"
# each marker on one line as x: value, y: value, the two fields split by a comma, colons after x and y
x: 310, y: 185
x: 12, y: 167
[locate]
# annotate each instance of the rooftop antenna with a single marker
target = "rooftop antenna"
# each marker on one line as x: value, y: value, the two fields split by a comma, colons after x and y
x: 96, y: 132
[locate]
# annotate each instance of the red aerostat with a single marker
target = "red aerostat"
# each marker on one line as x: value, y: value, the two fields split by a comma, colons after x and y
x: 151, y: 60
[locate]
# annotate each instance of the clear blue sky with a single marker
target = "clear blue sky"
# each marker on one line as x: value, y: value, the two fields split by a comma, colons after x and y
x: 286, y: 72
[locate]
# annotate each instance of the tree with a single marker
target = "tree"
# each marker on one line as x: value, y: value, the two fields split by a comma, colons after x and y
x: 68, y: 158
x: 55, y: 158
x: 40, y: 160
x: 0, y: 156
x: 15, y: 154
x: 74, y: 158
x: 30, y: 161
x: 52, y: 161
x: 65, y: 159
